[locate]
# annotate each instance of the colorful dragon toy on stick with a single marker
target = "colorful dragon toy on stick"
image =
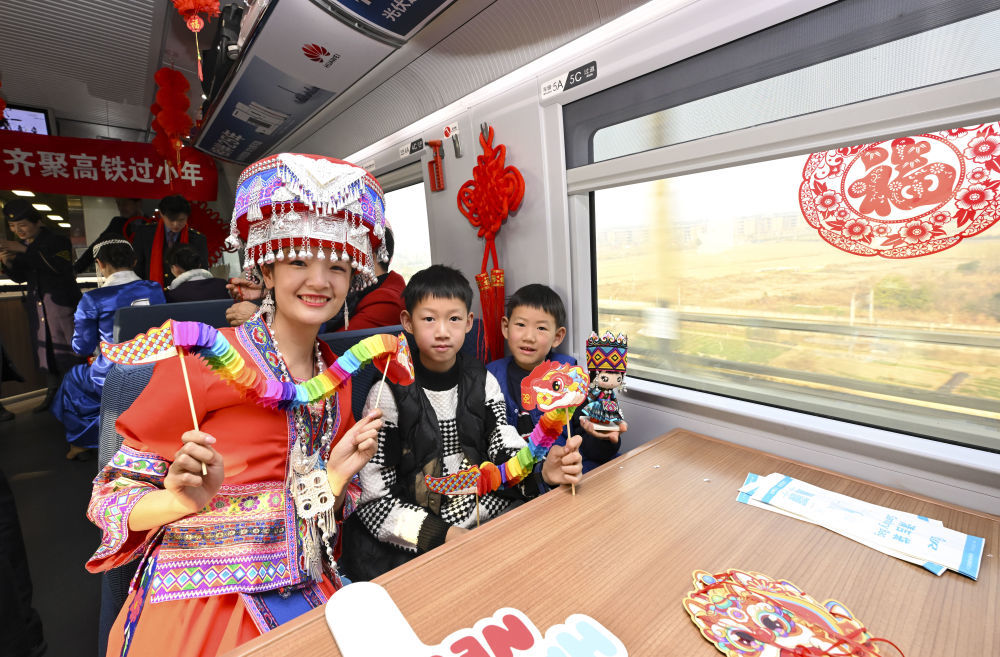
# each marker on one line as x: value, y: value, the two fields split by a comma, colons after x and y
x: 554, y: 388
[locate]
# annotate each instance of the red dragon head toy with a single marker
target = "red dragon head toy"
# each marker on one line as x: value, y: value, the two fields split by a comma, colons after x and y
x: 551, y: 386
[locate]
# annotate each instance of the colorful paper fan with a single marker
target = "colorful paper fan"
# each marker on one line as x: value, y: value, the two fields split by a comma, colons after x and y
x: 462, y: 482
x: 211, y: 346
x: 747, y: 614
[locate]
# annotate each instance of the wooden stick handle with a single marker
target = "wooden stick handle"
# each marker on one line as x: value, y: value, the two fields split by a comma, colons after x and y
x: 187, y: 386
x: 572, y: 487
x: 378, y: 397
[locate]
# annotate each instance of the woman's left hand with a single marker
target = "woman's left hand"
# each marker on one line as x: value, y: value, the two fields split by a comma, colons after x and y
x: 353, y: 451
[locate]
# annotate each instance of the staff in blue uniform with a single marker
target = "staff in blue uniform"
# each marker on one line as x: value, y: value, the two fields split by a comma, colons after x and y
x: 43, y: 260
x: 78, y: 403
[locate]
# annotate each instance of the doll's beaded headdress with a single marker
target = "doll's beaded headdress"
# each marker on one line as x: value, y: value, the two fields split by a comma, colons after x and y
x: 314, y: 207
x: 607, y: 353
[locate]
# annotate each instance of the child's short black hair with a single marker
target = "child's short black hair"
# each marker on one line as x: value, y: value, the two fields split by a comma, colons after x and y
x: 541, y: 297
x: 174, y: 206
x: 186, y: 257
x: 390, y: 246
x: 438, y: 282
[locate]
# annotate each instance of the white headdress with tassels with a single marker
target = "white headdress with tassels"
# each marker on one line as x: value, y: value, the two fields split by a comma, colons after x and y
x: 314, y: 207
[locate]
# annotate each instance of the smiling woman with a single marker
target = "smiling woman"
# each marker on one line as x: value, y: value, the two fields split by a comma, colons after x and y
x: 219, y: 500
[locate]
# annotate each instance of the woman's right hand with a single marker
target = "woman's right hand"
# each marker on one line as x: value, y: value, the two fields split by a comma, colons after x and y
x: 240, y: 289
x: 191, y: 489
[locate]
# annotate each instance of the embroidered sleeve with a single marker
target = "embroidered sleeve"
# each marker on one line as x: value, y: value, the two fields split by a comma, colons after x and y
x: 129, y: 476
x: 386, y: 516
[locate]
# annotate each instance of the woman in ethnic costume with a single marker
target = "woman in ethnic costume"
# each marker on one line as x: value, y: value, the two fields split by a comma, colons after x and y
x: 231, y: 554
x: 78, y: 403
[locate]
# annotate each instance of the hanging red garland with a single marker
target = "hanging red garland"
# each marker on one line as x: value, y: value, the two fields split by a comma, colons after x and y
x: 191, y: 11
x: 493, y: 193
x: 3, y: 106
x: 171, y: 121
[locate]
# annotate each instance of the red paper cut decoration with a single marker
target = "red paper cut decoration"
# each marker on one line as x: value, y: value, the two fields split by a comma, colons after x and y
x: 215, y: 229
x: 493, y: 193
x: 191, y: 11
x: 171, y: 123
x: 906, y: 197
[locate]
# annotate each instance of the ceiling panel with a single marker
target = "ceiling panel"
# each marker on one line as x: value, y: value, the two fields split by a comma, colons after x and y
x: 92, y: 61
x: 502, y: 37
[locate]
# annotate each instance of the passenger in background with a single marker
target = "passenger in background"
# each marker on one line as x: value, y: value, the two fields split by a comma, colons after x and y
x: 451, y: 418
x: 78, y: 403
x: 192, y: 282
x: 535, y: 324
x: 122, y: 227
x: 379, y: 304
x: 44, y: 261
x: 7, y: 373
x: 20, y: 625
x: 154, y: 243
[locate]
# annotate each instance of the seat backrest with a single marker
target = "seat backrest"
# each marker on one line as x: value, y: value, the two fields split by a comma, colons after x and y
x: 364, y: 378
x: 131, y: 321
x: 367, y: 376
x: 122, y: 386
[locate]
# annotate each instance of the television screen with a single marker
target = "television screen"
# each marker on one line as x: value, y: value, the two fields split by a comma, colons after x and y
x: 26, y: 119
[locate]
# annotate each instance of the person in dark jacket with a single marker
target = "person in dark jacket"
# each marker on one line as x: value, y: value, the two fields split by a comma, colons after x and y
x: 122, y: 227
x: 192, y: 282
x: 20, y: 625
x: 44, y: 261
x: 154, y: 243
x: 7, y: 373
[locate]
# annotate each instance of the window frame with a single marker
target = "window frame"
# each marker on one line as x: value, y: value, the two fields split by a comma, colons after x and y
x: 958, y: 102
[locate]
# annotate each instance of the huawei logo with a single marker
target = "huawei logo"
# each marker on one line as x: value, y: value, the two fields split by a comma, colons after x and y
x: 315, y: 52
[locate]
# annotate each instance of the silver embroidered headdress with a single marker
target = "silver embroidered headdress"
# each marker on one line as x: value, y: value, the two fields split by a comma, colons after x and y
x: 314, y: 207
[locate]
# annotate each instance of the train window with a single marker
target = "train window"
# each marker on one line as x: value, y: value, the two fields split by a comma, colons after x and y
x: 723, y: 286
x: 840, y: 54
x: 832, y: 83
x: 406, y: 211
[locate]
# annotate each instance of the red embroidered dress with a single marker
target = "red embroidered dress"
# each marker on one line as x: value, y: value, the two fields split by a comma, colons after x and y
x: 198, y: 590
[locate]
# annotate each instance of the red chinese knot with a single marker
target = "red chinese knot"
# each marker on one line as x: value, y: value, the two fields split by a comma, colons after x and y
x: 486, y: 201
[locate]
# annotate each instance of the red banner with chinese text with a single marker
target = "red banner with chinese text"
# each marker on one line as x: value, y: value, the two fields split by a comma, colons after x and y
x: 95, y: 167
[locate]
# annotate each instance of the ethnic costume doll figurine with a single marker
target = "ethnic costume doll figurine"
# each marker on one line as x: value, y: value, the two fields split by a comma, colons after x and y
x: 237, y: 524
x: 607, y: 360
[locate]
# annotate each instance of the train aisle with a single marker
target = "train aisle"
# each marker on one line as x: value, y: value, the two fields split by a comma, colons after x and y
x: 52, y: 495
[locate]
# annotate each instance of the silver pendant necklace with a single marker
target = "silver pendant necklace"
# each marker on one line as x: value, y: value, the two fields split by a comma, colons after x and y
x: 307, y: 479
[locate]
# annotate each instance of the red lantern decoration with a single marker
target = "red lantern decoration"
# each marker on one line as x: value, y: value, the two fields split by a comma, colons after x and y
x: 191, y: 11
x: 170, y: 118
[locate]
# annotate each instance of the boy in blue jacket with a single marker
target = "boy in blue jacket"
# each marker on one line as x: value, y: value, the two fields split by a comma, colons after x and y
x: 535, y: 324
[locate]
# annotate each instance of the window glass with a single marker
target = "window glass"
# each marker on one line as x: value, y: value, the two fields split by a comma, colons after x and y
x: 406, y: 211
x: 724, y: 285
x: 938, y: 55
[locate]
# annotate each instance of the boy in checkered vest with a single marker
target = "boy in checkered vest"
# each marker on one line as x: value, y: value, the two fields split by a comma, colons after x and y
x: 453, y: 417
